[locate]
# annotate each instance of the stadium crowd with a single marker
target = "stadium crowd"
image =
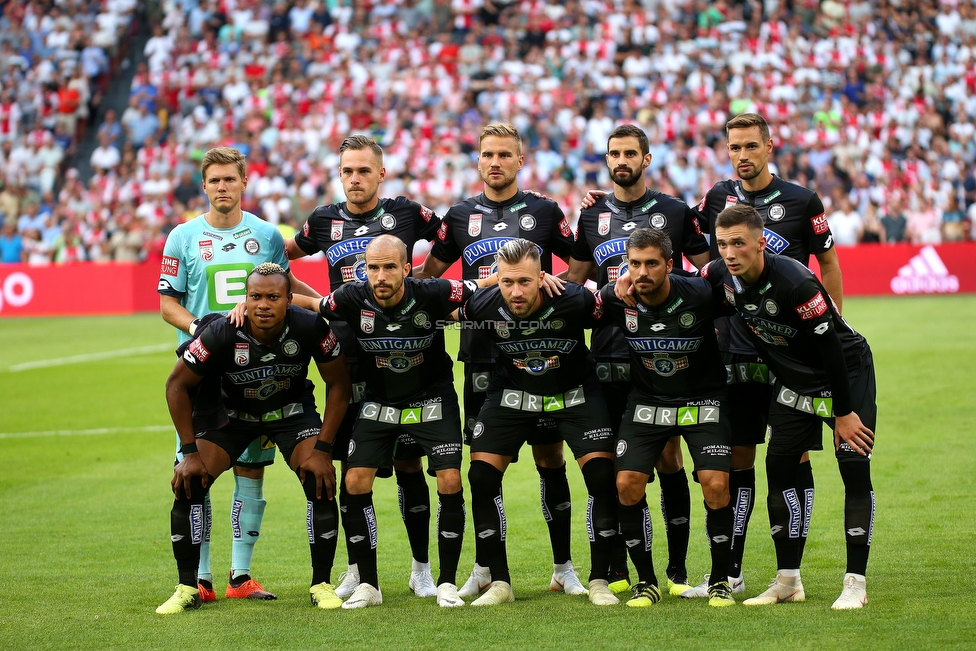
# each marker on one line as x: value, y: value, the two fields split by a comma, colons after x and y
x: 871, y: 104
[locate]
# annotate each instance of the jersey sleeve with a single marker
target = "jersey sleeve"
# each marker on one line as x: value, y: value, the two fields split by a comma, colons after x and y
x: 328, y: 346
x: 305, y: 237
x: 593, y: 307
x: 562, y: 241
x: 338, y: 304
x: 708, y: 207
x: 474, y: 309
x: 446, y: 247
x: 581, y: 248
x: 606, y: 297
x: 201, y: 353
x: 172, y: 272
x: 278, y: 255
x: 810, y: 302
x: 453, y: 293
x: 428, y: 223
x: 818, y: 230
x: 693, y: 236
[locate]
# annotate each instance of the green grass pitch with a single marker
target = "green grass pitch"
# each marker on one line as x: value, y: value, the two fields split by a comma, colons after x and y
x: 84, y: 536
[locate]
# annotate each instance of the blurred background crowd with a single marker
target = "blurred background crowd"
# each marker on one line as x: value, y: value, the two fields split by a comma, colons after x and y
x: 107, y: 106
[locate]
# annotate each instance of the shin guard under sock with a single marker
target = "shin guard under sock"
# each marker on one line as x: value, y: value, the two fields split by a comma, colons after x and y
x: 414, y: 500
x: 489, y: 519
x: 557, y: 510
x: 785, y: 506
x: 635, y: 525
x: 322, y: 524
x: 450, y: 535
x: 676, y: 508
x: 858, y: 513
x: 361, y: 536
x: 246, y: 515
x: 601, y: 514
x: 187, y: 522
x: 742, y: 497
x: 718, y: 525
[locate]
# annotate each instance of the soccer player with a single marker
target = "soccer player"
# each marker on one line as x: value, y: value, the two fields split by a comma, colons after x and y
x: 795, y: 226
x: 678, y: 389
x: 262, y: 367
x: 601, y: 247
x: 475, y: 229
x: 409, y: 396
x: 205, y: 262
x: 543, y: 367
x: 343, y: 231
x: 824, y: 374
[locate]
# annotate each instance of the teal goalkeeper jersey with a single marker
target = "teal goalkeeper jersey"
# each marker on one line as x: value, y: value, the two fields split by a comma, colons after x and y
x: 205, y: 267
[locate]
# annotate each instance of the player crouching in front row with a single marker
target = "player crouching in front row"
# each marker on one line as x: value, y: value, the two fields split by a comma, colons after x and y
x: 264, y: 368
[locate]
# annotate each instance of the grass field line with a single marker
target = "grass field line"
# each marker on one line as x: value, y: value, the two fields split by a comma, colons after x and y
x: 85, y: 432
x: 90, y: 357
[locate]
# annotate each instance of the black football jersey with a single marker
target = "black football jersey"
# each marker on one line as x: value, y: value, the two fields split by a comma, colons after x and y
x: 601, y: 237
x: 795, y: 226
x: 673, y: 351
x: 544, y: 353
x: 788, y: 313
x: 475, y: 228
x: 401, y: 349
x: 255, y: 378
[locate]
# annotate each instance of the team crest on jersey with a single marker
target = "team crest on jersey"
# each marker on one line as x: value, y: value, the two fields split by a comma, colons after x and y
x: 252, y: 246
x: 771, y: 307
x: 290, y: 348
x: 336, y: 234
x: 502, y: 329
x: 474, y: 224
x: 603, y: 223
x: 242, y: 354
x: 367, y: 321
x: 527, y: 222
x: 687, y: 319
x: 355, y: 271
x: 388, y: 222
x: 776, y: 212
x: 664, y: 365
x: 730, y: 200
x: 421, y: 320
x: 206, y: 250
x: 630, y: 319
x: 658, y: 220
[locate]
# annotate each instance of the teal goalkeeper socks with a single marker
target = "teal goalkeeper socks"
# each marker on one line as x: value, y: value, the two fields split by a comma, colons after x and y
x: 247, y: 512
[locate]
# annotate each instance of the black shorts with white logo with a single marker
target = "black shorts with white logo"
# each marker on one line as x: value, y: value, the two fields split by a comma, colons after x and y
x: 476, y: 379
x: 298, y: 422
x: 796, y: 419
x: 647, y: 425
x: 748, y: 395
x: 511, y: 417
x: 429, y: 426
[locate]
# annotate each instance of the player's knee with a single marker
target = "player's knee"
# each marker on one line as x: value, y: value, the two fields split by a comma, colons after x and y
x: 856, y: 474
x: 670, y: 460
x: 599, y: 475
x: 549, y: 455
x: 743, y: 456
x: 631, y: 487
x: 449, y: 481
x: 715, y: 488
x: 359, y: 481
x: 484, y: 478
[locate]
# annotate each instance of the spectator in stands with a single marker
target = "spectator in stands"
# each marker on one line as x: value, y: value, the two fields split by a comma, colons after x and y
x: 11, y: 244
x: 955, y: 223
x: 845, y: 223
x: 925, y: 222
x: 894, y: 222
x: 106, y: 157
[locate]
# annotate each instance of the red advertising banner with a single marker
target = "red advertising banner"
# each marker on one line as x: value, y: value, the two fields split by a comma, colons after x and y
x: 118, y: 288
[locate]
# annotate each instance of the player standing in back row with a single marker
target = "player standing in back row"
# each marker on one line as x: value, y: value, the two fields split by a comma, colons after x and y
x: 343, y: 231
x: 601, y: 245
x: 475, y: 229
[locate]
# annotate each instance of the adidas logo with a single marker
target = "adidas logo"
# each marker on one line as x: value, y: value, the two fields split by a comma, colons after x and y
x: 925, y: 273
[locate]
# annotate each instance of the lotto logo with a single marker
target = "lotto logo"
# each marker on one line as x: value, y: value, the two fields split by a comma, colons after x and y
x: 819, y: 224
x: 170, y: 266
x: 813, y: 308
